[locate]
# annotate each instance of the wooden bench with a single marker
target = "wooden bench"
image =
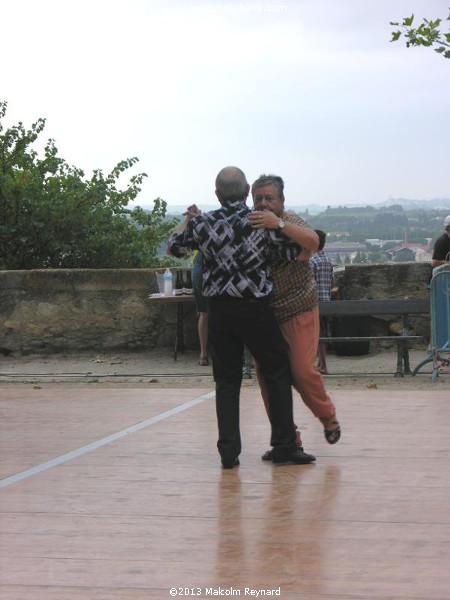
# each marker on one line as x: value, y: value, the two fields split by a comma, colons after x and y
x: 372, y: 308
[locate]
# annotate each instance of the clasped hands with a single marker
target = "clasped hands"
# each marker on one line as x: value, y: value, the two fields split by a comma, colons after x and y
x: 191, y: 212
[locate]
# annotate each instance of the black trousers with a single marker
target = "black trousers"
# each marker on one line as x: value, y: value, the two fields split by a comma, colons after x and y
x: 233, y: 323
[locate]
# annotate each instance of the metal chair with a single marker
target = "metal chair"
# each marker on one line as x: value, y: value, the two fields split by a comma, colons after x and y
x: 439, y: 350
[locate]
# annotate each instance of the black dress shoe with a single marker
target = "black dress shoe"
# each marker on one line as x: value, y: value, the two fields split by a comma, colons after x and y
x: 229, y: 463
x: 296, y: 457
x: 268, y: 455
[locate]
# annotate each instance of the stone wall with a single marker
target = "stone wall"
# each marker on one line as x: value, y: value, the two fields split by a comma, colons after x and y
x: 46, y: 311
x: 392, y: 280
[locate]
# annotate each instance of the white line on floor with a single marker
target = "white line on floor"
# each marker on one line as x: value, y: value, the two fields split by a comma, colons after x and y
x: 103, y: 441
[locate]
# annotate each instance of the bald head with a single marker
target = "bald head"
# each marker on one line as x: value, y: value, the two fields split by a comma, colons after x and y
x: 231, y: 184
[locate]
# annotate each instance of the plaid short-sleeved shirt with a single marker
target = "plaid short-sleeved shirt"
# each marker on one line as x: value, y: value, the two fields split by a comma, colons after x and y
x: 323, y: 272
x: 294, y: 286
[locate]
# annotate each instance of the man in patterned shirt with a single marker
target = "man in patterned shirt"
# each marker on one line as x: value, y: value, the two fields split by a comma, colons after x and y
x: 294, y: 301
x: 323, y: 273
x: 237, y: 284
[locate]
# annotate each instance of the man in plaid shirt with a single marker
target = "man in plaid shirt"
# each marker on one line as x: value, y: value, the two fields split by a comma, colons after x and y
x: 294, y: 301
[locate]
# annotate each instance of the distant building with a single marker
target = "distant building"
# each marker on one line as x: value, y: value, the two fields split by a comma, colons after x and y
x: 401, y: 254
x: 423, y: 255
x: 380, y: 243
x: 374, y: 242
x: 343, y: 249
x: 417, y: 252
x: 408, y: 251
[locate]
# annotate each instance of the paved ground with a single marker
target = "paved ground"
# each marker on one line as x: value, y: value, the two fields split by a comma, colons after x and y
x: 159, y: 369
x: 118, y: 494
x: 112, y: 487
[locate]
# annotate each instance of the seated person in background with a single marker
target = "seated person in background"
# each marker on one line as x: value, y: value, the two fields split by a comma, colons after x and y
x: 248, y: 363
x: 201, y: 306
x: 322, y: 268
x: 441, y: 252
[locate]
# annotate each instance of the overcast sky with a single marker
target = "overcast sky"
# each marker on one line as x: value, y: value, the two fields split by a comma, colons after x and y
x: 311, y: 90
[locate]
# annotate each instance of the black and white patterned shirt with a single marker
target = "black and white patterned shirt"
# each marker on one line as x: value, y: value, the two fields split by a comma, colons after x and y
x: 236, y: 257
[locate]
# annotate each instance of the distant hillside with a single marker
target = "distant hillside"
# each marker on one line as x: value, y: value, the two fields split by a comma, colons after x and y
x: 411, y: 221
x: 408, y: 204
x: 405, y: 203
x: 179, y: 210
x: 314, y: 209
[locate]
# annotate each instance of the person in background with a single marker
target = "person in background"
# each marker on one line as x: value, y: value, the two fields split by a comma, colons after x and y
x: 294, y: 301
x: 201, y: 306
x: 322, y: 268
x: 441, y: 251
x: 248, y: 364
x: 237, y: 284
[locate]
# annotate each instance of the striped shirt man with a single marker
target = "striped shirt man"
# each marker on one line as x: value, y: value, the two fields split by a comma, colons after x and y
x: 237, y: 257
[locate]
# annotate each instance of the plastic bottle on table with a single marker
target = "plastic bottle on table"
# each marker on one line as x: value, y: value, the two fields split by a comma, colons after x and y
x: 168, y: 280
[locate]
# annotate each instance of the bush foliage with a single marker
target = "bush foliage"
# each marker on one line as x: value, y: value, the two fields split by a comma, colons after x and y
x: 427, y: 34
x: 52, y: 216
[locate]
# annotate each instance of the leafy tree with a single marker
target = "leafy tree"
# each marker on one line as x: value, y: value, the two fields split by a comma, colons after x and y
x: 389, y: 245
x: 427, y: 34
x: 376, y: 256
x: 51, y: 216
x: 404, y: 255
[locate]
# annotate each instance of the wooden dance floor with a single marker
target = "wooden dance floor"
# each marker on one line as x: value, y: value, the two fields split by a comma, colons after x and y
x: 112, y: 493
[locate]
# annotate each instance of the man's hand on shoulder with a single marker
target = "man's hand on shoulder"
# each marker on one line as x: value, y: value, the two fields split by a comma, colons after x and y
x: 260, y: 219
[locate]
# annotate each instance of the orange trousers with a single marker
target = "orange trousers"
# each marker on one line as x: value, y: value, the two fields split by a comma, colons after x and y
x: 302, y: 336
